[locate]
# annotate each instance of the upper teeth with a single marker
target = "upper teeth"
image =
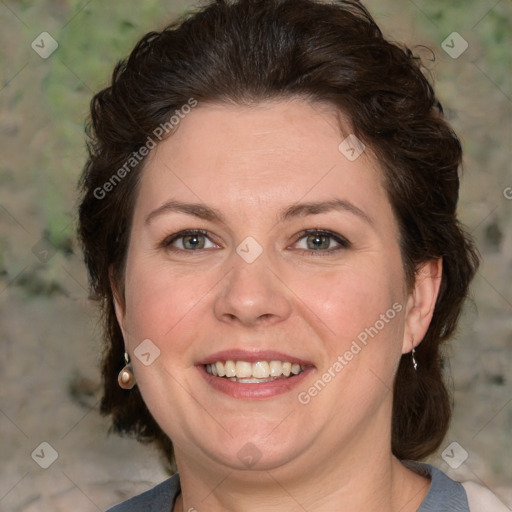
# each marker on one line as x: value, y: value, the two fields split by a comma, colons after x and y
x: 258, y: 370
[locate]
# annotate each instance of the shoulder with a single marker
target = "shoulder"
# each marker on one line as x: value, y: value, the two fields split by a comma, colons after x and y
x: 444, y: 494
x: 157, y: 499
x: 447, y: 495
x: 481, y: 499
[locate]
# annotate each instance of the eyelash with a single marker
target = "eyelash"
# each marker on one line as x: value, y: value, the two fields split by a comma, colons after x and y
x: 342, y: 241
x: 167, y: 243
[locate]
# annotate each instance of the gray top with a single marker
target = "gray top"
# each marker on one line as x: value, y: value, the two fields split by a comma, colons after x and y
x: 444, y: 494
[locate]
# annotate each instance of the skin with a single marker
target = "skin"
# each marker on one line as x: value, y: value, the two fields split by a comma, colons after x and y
x: 250, y: 163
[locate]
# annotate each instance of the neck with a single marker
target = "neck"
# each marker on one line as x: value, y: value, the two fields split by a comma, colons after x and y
x: 362, y: 475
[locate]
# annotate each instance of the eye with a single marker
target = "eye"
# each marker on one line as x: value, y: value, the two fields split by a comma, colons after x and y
x: 189, y: 240
x: 321, y: 241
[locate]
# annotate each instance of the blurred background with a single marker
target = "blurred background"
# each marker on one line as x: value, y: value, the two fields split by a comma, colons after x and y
x: 54, y: 55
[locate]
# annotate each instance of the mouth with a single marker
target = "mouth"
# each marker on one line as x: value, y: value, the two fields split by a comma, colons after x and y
x: 258, y: 372
x: 253, y: 375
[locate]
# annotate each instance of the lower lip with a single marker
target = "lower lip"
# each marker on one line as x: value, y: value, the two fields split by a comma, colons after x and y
x: 254, y: 391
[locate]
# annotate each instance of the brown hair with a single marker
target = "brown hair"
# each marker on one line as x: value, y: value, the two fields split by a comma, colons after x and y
x: 248, y: 51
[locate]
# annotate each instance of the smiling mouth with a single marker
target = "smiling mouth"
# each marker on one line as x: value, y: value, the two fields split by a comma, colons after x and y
x: 254, y: 373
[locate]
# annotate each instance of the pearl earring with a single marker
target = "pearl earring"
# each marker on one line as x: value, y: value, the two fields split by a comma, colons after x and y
x: 126, y: 378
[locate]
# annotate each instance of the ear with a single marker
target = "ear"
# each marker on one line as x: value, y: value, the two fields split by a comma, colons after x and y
x: 421, y: 303
x: 118, y: 298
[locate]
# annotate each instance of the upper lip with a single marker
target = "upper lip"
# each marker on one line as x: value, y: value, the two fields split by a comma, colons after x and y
x: 253, y: 356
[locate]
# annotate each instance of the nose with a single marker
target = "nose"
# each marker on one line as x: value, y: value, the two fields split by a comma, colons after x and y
x: 252, y: 294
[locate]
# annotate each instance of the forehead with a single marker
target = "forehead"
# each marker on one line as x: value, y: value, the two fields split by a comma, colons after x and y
x: 266, y: 154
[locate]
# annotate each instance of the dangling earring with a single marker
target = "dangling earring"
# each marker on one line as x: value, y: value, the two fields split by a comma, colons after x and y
x: 414, y: 363
x: 126, y: 378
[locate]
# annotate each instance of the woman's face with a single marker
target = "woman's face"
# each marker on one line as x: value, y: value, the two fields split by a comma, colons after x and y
x: 257, y: 238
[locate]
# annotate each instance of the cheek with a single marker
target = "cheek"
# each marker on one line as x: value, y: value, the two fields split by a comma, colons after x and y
x: 161, y: 302
x: 360, y: 312
x: 364, y: 316
x: 352, y: 299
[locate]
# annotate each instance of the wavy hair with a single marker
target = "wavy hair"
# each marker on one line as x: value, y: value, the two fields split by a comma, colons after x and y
x: 248, y: 51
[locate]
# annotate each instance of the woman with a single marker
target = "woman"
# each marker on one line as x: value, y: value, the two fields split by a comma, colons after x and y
x: 269, y: 223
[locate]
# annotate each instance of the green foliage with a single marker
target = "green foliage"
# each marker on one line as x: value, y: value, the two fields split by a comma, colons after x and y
x: 93, y: 37
x: 484, y: 24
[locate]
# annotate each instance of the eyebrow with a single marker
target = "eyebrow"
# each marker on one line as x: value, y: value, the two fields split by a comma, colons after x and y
x: 297, y: 210
x: 315, y: 208
x: 198, y: 210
